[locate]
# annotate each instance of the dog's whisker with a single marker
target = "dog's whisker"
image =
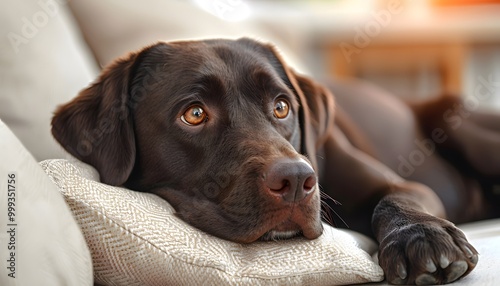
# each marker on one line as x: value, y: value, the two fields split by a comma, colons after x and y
x: 328, y: 209
x: 328, y: 197
x: 341, y: 219
x: 326, y: 214
x: 327, y: 217
x: 320, y: 157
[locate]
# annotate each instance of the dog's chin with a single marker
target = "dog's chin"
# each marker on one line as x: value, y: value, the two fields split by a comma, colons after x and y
x: 280, y: 235
x: 284, y: 230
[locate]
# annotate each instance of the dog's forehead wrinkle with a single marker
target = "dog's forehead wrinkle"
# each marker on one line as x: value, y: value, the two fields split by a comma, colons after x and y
x: 234, y: 55
x: 216, y: 67
x: 243, y: 113
x: 237, y: 60
x: 243, y: 71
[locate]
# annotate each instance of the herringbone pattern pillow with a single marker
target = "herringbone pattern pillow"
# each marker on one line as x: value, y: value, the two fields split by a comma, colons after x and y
x: 136, y: 239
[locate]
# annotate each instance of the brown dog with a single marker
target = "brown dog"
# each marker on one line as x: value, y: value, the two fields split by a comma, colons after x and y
x: 235, y: 140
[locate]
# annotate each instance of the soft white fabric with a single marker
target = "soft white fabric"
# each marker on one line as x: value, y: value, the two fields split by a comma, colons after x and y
x: 136, y: 239
x: 49, y: 247
x: 43, y: 63
x: 485, y: 237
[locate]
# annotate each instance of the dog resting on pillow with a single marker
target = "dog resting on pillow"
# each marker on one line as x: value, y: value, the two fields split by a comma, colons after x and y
x: 240, y: 145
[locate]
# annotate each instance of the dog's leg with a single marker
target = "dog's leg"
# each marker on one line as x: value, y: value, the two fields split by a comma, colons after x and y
x: 416, y: 245
x: 489, y: 120
x: 480, y: 146
x: 471, y: 133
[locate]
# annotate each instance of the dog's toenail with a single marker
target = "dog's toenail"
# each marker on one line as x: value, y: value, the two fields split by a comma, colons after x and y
x: 402, y: 271
x: 444, y: 261
x: 474, y: 259
x: 430, y: 266
x: 468, y: 252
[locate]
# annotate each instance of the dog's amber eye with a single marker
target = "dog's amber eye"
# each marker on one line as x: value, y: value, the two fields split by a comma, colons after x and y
x: 281, y: 108
x: 194, y: 115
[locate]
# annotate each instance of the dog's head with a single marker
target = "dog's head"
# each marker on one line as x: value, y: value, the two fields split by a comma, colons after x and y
x: 223, y: 130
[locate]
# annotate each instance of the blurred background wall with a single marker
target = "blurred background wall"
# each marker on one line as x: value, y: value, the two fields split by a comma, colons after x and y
x: 414, y: 48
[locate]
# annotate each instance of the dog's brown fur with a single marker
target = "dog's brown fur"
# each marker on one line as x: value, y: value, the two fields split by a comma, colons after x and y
x: 244, y: 174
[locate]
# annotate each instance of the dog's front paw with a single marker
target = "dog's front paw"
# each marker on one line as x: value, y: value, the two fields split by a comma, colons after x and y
x: 434, y: 252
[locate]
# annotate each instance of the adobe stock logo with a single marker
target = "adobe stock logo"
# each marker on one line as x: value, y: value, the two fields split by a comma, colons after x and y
x: 425, y: 148
x: 31, y: 26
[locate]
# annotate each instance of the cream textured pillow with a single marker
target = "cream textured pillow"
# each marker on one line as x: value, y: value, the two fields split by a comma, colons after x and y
x: 136, y: 239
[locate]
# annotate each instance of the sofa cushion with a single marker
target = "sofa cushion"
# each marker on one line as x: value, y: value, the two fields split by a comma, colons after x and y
x: 136, y: 239
x: 115, y: 27
x: 41, y: 241
x: 43, y: 63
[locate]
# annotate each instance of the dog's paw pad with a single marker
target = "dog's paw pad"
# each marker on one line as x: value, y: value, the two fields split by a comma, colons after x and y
x: 398, y: 281
x: 425, y: 279
x: 456, y: 270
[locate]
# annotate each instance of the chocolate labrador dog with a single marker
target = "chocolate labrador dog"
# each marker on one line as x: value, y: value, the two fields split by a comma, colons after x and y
x: 240, y: 145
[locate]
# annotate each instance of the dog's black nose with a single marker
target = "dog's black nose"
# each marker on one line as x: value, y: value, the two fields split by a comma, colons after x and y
x: 292, y: 179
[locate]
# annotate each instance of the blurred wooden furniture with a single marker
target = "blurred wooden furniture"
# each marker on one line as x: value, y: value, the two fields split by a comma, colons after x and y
x: 417, y: 40
x: 448, y: 60
x: 412, y: 48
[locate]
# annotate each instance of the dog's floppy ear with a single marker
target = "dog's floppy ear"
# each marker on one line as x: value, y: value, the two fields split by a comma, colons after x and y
x: 96, y: 126
x: 317, y: 106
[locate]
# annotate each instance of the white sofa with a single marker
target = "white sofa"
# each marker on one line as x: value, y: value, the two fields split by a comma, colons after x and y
x: 51, y: 50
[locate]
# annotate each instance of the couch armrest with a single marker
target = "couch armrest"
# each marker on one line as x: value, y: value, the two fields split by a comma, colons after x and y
x: 41, y: 243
